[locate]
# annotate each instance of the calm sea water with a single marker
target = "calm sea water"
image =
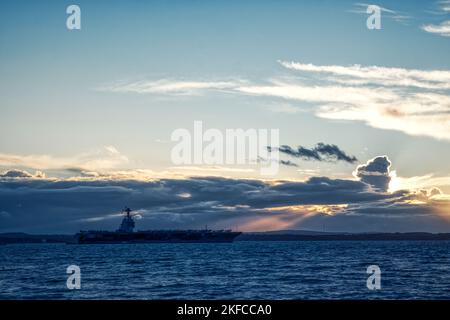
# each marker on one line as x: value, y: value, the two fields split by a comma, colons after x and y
x: 239, y: 270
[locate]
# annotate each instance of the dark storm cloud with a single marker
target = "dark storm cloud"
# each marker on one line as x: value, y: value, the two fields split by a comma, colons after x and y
x: 300, y: 152
x: 331, y: 152
x: 33, y: 203
x: 375, y: 173
x: 320, y: 152
x: 44, y: 205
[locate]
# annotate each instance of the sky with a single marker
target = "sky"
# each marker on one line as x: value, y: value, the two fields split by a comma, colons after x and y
x: 86, y: 116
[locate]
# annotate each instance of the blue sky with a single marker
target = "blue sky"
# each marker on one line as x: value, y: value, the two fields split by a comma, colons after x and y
x: 66, y: 101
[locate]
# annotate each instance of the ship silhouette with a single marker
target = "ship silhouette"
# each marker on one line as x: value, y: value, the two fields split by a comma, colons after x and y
x: 126, y: 234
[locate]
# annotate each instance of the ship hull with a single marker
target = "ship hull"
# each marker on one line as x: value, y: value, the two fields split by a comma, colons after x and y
x: 104, y: 237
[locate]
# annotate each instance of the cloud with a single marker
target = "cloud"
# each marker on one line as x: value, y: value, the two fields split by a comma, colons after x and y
x: 434, y: 192
x: 288, y: 163
x: 406, y: 100
x: 375, y: 173
x: 320, y: 152
x: 172, y: 86
x: 442, y: 29
x: 15, y: 173
x: 105, y: 158
x: 445, y: 5
x: 331, y: 152
x: 67, y: 205
x: 412, y: 101
x: 421, y: 182
x: 384, y: 76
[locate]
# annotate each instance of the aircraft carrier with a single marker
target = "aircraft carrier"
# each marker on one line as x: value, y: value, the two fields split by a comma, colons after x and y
x: 126, y: 234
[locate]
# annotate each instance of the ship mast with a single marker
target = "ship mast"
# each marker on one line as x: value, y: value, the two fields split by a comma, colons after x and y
x: 127, y: 224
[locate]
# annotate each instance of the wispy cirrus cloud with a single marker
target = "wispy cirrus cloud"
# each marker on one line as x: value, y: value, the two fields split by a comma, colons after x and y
x: 172, y: 86
x: 443, y: 28
x: 413, y: 101
x: 376, y: 75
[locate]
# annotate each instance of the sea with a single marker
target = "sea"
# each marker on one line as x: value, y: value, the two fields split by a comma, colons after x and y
x: 238, y: 270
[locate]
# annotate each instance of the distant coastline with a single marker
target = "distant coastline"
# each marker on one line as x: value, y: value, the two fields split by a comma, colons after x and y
x: 282, y: 235
x: 324, y: 236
